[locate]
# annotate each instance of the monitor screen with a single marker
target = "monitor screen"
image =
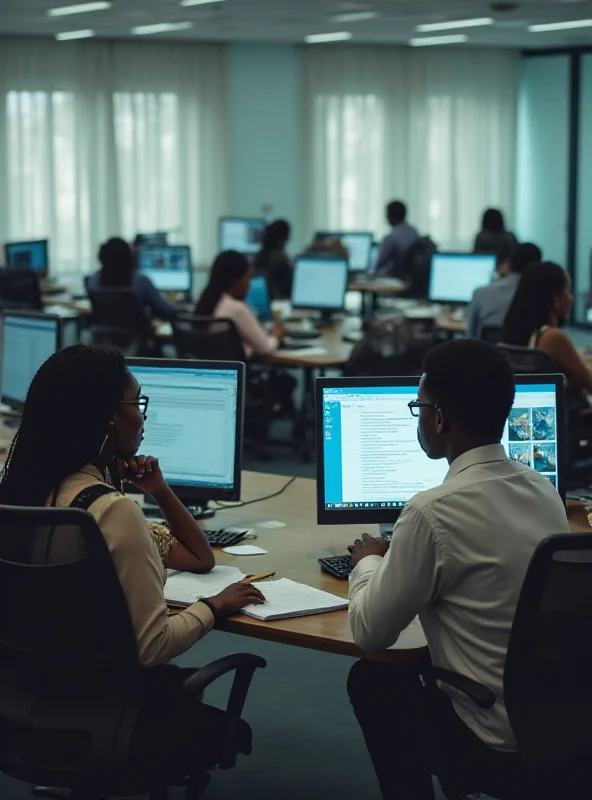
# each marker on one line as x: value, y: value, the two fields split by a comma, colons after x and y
x: 319, y: 283
x: 244, y: 235
x: 194, y: 424
x: 258, y: 297
x: 374, y: 257
x: 169, y: 268
x: 157, y: 239
x: 28, y: 340
x: 454, y: 278
x: 359, y: 246
x: 369, y: 474
x: 27, y: 255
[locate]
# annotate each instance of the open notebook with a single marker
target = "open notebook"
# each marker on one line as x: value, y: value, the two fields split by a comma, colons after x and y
x: 286, y: 598
x: 184, y: 588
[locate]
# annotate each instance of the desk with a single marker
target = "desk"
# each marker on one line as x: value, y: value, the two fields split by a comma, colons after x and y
x: 446, y: 323
x: 66, y: 301
x: 373, y: 288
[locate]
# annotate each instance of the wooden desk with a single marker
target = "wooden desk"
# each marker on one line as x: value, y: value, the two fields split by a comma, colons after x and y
x: 82, y: 306
x: 372, y: 289
x: 337, y: 351
x: 449, y: 325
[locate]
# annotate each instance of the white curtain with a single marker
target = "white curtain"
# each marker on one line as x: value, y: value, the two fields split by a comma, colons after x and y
x: 101, y: 139
x: 433, y: 127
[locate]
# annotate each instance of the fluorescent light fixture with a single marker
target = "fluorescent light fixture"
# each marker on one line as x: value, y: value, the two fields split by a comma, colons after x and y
x: 426, y: 41
x: 162, y: 27
x: 80, y: 8
x: 561, y: 26
x: 449, y: 26
x: 198, y: 2
x: 316, y: 38
x: 355, y: 16
x: 67, y: 36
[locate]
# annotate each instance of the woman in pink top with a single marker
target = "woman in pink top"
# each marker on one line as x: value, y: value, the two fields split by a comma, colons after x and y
x: 224, y: 296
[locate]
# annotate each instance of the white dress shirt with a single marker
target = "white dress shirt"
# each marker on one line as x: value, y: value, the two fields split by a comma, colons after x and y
x: 458, y: 557
x: 255, y: 340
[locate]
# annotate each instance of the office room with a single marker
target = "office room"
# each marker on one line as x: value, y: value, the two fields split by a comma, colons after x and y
x: 295, y: 385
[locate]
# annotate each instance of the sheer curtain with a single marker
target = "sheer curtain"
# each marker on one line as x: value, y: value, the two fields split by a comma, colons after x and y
x: 435, y: 128
x: 100, y: 139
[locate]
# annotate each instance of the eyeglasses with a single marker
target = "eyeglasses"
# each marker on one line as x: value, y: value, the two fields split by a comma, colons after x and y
x: 141, y: 402
x: 414, y: 406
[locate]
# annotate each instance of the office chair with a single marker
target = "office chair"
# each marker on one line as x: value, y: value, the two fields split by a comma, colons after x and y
x: 492, y: 334
x: 20, y: 289
x: 207, y: 338
x: 525, y: 361
x: 118, y: 318
x: 75, y: 704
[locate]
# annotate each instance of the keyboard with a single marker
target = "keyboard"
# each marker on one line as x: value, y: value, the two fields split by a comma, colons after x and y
x: 338, y: 566
x: 304, y: 336
x: 225, y: 538
x: 292, y: 345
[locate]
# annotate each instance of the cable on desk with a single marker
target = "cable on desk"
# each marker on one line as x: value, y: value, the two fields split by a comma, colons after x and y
x: 224, y: 506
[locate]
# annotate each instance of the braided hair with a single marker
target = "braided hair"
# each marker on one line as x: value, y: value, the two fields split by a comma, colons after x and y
x: 66, y: 415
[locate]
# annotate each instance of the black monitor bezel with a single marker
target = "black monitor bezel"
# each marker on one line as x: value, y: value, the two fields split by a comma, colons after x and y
x: 170, y: 247
x: 197, y: 493
x: 388, y: 515
x: 321, y: 260
x: 43, y: 273
x: 221, y: 222
x: 455, y: 255
x: 11, y: 402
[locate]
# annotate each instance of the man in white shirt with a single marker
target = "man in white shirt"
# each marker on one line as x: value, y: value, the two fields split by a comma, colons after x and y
x: 457, y: 559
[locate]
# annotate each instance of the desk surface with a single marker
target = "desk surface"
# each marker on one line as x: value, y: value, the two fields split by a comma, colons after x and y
x: 336, y: 351
x: 446, y: 323
x: 378, y: 286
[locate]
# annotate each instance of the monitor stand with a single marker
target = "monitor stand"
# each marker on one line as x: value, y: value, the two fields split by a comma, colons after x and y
x: 386, y: 530
x: 197, y: 507
x: 326, y: 320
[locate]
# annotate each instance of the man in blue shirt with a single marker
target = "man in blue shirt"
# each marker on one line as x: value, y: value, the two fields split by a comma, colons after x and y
x: 490, y: 304
x: 394, y: 248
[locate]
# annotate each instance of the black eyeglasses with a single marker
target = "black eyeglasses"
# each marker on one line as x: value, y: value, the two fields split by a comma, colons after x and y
x: 414, y: 406
x: 141, y: 402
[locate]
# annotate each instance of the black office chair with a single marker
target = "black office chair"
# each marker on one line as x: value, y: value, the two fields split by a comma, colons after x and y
x: 118, y: 318
x: 20, y: 289
x: 492, y: 334
x: 75, y: 703
x: 526, y: 361
x: 208, y: 338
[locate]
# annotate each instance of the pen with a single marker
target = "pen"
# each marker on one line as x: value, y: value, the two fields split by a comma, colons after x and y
x: 253, y: 578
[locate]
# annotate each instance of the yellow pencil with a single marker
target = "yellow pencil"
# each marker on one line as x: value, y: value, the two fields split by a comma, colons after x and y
x: 253, y: 578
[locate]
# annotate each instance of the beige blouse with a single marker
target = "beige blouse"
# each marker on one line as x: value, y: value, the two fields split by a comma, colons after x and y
x: 141, y: 572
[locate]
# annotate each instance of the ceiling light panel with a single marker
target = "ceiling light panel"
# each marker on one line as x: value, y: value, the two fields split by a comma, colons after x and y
x: 427, y: 41
x: 68, y: 36
x: 161, y: 27
x: 80, y: 8
x: 560, y: 26
x: 455, y: 24
x: 317, y: 38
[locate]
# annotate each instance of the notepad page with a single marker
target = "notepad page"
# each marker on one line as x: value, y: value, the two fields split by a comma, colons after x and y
x: 184, y: 588
x: 286, y: 598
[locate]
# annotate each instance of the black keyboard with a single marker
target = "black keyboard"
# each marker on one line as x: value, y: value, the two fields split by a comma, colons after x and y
x: 292, y: 345
x: 224, y: 538
x: 338, y: 566
x: 295, y: 333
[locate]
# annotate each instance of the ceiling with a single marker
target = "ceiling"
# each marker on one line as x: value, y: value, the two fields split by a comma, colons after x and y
x: 291, y: 20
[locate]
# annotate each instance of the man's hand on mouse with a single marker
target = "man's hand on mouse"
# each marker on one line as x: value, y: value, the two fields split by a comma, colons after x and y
x: 368, y: 546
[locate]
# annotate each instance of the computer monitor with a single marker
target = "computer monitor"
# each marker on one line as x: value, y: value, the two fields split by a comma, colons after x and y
x: 358, y: 245
x: 28, y: 255
x: 242, y: 234
x: 374, y: 257
x: 169, y: 268
x: 455, y: 276
x: 28, y: 340
x: 258, y: 298
x: 194, y: 424
x: 319, y: 283
x: 157, y: 239
x: 369, y: 462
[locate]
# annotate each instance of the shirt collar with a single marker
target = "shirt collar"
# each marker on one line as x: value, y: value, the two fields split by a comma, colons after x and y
x: 479, y: 455
x: 90, y: 469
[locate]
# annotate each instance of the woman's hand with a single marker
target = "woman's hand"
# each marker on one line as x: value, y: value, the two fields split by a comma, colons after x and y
x: 279, y: 332
x: 144, y: 472
x: 235, y: 597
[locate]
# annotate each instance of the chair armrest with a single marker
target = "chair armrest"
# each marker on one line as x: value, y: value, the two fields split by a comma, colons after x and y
x: 479, y: 694
x: 244, y: 664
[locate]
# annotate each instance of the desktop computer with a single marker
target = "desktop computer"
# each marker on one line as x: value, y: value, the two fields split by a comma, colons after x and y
x: 157, y: 239
x: 195, y: 426
x: 454, y: 277
x: 28, y: 255
x: 242, y: 234
x: 28, y: 340
x: 369, y: 474
x: 258, y: 298
x: 169, y: 268
x: 358, y: 245
x: 320, y: 284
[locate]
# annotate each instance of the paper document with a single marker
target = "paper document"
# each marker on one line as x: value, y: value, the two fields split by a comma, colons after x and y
x: 286, y: 598
x: 184, y: 588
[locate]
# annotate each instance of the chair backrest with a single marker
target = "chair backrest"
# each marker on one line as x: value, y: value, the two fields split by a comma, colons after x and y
x: 525, y: 361
x: 117, y: 317
x: 492, y: 334
x: 19, y: 289
x: 547, y: 684
x: 416, y: 267
x: 207, y: 338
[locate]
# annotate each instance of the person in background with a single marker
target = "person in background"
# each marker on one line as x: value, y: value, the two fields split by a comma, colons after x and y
x: 494, y: 238
x: 458, y: 557
x: 490, y: 303
x: 224, y: 296
x: 273, y: 262
x: 542, y: 301
x: 119, y: 271
x: 396, y: 245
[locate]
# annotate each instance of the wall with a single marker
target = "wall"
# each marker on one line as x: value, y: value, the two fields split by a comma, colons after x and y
x: 265, y: 120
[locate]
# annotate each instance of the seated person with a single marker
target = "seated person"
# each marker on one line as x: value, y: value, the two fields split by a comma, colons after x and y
x: 490, y: 303
x: 273, y: 262
x: 224, y: 296
x: 119, y: 271
x: 394, y: 248
x: 81, y: 427
x: 494, y: 238
x: 542, y: 301
x: 458, y: 558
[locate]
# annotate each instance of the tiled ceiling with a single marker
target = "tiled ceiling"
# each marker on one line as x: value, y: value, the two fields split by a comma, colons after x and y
x: 292, y: 20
